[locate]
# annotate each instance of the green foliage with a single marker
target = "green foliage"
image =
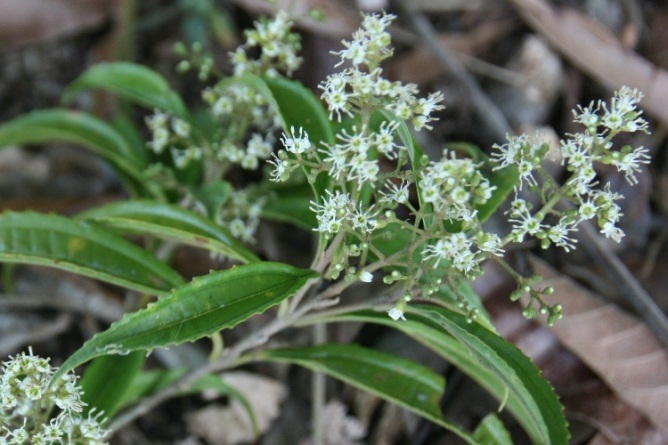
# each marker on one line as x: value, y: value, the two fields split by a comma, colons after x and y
x: 134, y: 83
x: 497, y: 365
x: 106, y: 382
x: 197, y: 309
x: 491, y: 431
x: 169, y: 222
x: 393, y: 378
x: 83, y: 248
x: 79, y: 128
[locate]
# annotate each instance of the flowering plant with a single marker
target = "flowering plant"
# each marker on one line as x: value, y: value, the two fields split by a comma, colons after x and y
x: 386, y: 217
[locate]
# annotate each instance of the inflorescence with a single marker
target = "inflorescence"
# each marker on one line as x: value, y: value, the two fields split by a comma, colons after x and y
x: 37, y: 412
x: 373, y: 172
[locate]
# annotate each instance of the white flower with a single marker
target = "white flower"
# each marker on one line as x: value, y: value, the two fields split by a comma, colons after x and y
x: 365, y: 276
x: 332, y: 212
x: 629, y: 163
x: 294, y: 143
x: 611, y: 231
x: 394, y: 194
x: 396, y: 314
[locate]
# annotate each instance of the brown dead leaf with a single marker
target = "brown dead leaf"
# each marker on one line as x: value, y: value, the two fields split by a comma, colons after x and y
x: 615, y: 345
x: 341, y: 18
x: 418, y: 65
x: 231, y: 425
x: 24, y: 22
x: 657, y: 47
x: 457, y: 5
x: 595, y: 50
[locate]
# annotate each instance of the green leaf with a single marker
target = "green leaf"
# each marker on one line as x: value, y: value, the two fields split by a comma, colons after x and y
x: 107, y: 381
x: 124, y: 125
x: 213, y: 195
x: 79, y: 128
x: 491, y: 431
x: 197, y: 309
x: 83, y: 248
x: 299, y: 107
x: 170, y: 222
x: 496, y: 364
x: 544, y: 421
x: 505, y: 181
x: 290, y: 203
x: 396, y: 379
x: 150, y: 382
x: 132, y: 82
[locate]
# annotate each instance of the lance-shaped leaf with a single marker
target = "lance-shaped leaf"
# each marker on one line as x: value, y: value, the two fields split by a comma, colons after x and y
x: 197, y: 309
x: 108, y: 381
x: 299, y: 107
x: 79, y: 128
x: 496, y: 364
x: 83, y: 248
x: 171, y: 222
x: 545, y: 421
x: 396, y: 379
x: 132, y: 82
x: 491, y: 431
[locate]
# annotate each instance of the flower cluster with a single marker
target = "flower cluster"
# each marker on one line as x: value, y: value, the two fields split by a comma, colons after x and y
x: 580, y: 153
x: 175, y: 134
x: 454, y: 186
x: 381, y: 187
x: 339, y: 212
x: 241, y: 215
x: 355, y: 89
x: 248, y: 122
x: 34, y: 411
x: 278, y: 48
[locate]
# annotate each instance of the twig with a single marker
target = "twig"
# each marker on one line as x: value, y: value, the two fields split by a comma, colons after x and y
x: 16, y: 340
x: 486, y: 109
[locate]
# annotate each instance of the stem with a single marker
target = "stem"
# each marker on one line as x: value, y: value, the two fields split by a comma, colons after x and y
x: 318, y: 384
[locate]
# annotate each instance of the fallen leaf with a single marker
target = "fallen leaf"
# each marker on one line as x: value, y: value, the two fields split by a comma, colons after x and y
x: 418, y: 65
x: 231, y: 424
x: 340, y: 19
x: 596, y: 51
x: 25, y: 22
x: 614, y: 344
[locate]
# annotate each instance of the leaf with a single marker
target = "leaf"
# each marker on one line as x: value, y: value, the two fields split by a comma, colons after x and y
x: 617, y: 346
x: 545, y: 421
x: 594, y: 49
x: 491, y: 431
x: 82, y: 248
x: 107, y: 381
x: 72, y: 126
x: 493, y: 362
x: 197, y: 309
x: 299, y: 107
x: 396, y: 379
x: 505, y: 181
x: 132, y: 82
x: 213, y: 195
x: 290, y: 203
x: 171, y: 222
